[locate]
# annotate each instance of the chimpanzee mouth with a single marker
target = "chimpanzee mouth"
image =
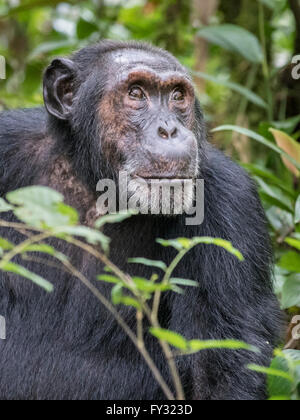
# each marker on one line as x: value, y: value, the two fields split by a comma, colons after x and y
x: 167, y: 178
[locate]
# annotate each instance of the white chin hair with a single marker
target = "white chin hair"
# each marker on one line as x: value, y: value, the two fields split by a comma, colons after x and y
x: 161, y: 197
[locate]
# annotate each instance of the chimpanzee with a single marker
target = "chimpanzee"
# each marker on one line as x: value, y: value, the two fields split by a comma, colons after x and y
x: 127, y: 106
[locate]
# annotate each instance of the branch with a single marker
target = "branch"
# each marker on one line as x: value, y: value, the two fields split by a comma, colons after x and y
x: 295, y: 7
x: 42, y: 235
x: 141, y: 348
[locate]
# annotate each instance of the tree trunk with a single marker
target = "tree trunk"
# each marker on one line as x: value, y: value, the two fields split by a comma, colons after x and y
x: 295, y: 7
x: 202, y: 12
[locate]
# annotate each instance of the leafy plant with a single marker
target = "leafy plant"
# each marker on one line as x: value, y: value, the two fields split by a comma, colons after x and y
x: 42, y: 211
x: 283, y: 375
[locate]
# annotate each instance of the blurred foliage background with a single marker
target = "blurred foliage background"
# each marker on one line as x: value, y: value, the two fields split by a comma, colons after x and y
x: 240, y: 53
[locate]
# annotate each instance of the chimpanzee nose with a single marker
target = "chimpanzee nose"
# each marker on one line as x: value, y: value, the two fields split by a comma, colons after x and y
x: 169, y: 140
x: 167, y: 131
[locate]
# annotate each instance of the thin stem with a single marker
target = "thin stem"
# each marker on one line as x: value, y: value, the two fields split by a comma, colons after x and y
x: 43, y: 261
x: 106, y: 303
x: 22, y: 246
x: 265, y: 65
x: 165, y: 346
x: 166, y: 279
x: 153, y: 319
x: 106, y: 261
x: 128, y: 281
x: 140, y: 332
x: 249, y: 84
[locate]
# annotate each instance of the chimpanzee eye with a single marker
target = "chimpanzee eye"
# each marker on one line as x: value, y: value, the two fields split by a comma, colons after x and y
x: 178, y: 95
x: 137, y: 93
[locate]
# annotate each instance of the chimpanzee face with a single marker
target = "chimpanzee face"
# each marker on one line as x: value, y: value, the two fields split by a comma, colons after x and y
x: 145, y: 114
x: 147, y: 121
x: 147, y: 118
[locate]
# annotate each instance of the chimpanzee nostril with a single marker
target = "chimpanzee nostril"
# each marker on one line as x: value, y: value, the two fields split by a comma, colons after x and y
x: 174, y: 132
x: 166, y: 133
x: 163, y: 133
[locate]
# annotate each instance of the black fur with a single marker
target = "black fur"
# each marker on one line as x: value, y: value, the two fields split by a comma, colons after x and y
x: 64, y: 345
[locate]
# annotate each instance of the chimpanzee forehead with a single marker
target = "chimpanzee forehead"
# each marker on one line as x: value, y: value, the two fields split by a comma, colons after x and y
x: 124, y: 60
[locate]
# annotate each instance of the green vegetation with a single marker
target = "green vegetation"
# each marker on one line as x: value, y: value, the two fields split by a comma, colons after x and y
x: 240, y: 54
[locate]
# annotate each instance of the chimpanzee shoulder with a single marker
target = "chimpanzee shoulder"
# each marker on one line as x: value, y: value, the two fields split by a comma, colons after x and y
x: 23, y: 123
x: 233, y: 211
x: 21, y: 133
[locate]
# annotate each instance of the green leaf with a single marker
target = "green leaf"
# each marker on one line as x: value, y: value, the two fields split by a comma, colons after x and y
x: 148, y: 286
x: 279, y: 280
x: 46, y: 249
x: 109, y: 279
x: 141, y: 284
x: 297, y: 211
x: 118, y: 298
x: 41, y: 207
x: 273, y: 201
x: 129, y: 301
x: 269, y: 176
x: 199, y: 345
x: 114, y: 218
x: 116, y: 294
x: 177, y: 289
x: 273, y: 372
x: 281, y: 380
x: 149, y: 263
x: 292, y: 355
x: 184, y: 282
x: 293, y: 358
x: 260, y: 139
x: 92, y: 236
x: 291, y: 292
x: 30, y: 195
x: 271, y: 4
x: 170, y: 243
x: 51, y: 47
x: 6, y: 245
x: 32, y: 4
x: 290, y: 146
x: 274, y: 196
x: 290, y: 261
x: 235, y: 39
x: 23, y: 272
x: 184, y: 243
x: 295, y: 243
x: 176, y: 340
x: 220, y: 243
x: 4, y: 206
x: 85, y: 28
x: 68, y: 211
x: 288, y: 125
x: 247, y: 93
x: 279, y: 220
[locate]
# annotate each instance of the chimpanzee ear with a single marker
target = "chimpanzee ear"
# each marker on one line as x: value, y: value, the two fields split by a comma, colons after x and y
x: 59, y: 88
